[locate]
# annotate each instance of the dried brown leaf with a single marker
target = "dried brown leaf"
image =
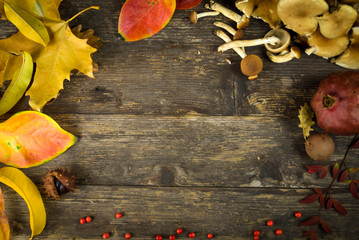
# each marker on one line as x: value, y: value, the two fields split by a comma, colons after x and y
x: 325, y: 226
x: 305, y: 117
x: 310, y: 198
x: 343, y: 176
x: 311, y: 221
x: 353, y: 190
x: 339, y: 208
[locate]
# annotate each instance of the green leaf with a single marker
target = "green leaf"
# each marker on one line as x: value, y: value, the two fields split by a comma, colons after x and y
x: 18, y: 181
x: 305, y: 116
x: 20, y: 81
x: 32, y: 138
x: 141, y: 19
x: 27, y: 24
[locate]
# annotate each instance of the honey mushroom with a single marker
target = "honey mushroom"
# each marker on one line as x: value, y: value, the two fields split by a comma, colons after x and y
x: 194, y: 16
x: 237, y: 34
x: 284, y: 56
x: 227, y: 39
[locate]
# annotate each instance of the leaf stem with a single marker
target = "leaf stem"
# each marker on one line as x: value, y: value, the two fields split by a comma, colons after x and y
x: 92, y: 7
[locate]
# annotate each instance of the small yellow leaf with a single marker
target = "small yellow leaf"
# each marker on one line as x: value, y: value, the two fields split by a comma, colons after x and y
x: 27, y: 24
x: 18, y: 181
x: 4, y: 223
x: 305, y: 116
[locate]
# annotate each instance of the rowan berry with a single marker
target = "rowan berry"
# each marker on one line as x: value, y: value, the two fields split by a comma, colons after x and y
x: 118, y: 215
x: 191, y: 235
x: 269, y: 223
x: 128, y: 235
x: 310, y: 171
x: 256, y: 238
x: 159, y: 237
x: 105, y: 235
x: 172, y: 237
x: 279, y: 232
x: 256, y: 233
x: 88, y: 219
x: 82, y: 220
x: 179, y: 230
x: 209, y: 235
x: 298, y: 214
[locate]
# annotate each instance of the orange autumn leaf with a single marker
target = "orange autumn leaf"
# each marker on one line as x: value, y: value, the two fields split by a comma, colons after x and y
x: 4, y: 223
x: 32, y: 138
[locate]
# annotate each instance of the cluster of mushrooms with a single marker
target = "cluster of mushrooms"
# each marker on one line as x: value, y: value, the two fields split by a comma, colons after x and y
x: 328, y: 28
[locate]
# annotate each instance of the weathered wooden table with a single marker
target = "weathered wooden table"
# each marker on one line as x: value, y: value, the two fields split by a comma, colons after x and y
x: 171, y: 135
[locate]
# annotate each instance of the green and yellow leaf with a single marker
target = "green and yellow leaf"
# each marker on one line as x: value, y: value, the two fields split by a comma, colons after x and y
x: 4, y: 223
x: 18, y: 85
x: 30, y: 26
x: 18, y: 181
x: 31, y: 138
x: 305, y: 116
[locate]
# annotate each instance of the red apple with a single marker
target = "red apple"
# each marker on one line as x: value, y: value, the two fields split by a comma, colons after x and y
x: 336, y: 103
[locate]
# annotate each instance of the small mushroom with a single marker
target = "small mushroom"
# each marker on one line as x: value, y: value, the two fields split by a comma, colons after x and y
x: 237, y: 34
x: 261, y: 9
x: 349, y: 59
x: 242, y: 21
x: 248, y: 43
x: 284, y: 37
x: 285, y: 56
x: 300, y: 15
x: 251, y: 66
x: 194, y: 16
x: 324, y: 47
x: 337, y: 23
x: 225, y: 38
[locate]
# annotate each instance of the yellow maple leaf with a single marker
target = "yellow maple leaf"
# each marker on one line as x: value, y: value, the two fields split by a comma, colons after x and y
x: 64, y: 53
x: 305, y: 117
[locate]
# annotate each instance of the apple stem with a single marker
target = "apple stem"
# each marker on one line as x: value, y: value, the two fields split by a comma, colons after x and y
x: 328, y: 101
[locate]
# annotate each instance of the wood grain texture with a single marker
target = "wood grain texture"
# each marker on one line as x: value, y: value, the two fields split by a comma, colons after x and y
x: 226, y: 212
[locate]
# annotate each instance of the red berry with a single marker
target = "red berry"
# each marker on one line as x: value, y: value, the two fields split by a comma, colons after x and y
x: 118, y: 215
x: 128, y: 235
x: 255, y: 237
x: 279, y: 232
x: 209, y: 235
x: 298, y: 214
x: 191, y: 235
x: 310, y: 171
x: 82, y: 220
x: 179, y: 230
x: 172, y: 237
x: 88, y: 219
x: 159, y: 237
x: 105, y: 235
x: 256, y: 233
x: 269, y: 223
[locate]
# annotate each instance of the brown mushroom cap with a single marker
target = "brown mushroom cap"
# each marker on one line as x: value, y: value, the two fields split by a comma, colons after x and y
x: 337, y: 23
x: 193, y: 17
x: 350, y: 57
x: 284, y: 37
x: 325, y: 47
x: 261, y: 9
x: 251, y: 65
x: 300, y: 15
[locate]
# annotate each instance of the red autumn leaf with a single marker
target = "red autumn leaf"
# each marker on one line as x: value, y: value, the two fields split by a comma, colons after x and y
x: 325, y: 226
x: 335, y: 170
x: 343, y: 176
x: 329, y: 203
x: 353, y: 190
x: 317, y: 190
x: 321, y: 200
x: 339, y: 207
x: 356, y: 181
x: 311, y: 221
x: 187, y: 4
x: 141, y: 19
x: 324, y: 173
x: 355, y: 143
x: 315, y: 168
x: 310, y: 198
x: 353, y: 170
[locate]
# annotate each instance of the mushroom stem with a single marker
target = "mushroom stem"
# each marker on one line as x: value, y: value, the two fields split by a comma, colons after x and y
x: 227, y: 12
x: 237, y: 34
x: 310, y: 50
x: 248, y: 43
x: 195, y: 16
x: 285, y: 57
x: 227, y: 39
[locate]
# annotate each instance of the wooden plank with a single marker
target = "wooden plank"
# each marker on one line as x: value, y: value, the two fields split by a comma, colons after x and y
x: 191, y: 150
x: 226, y: 212
x: 179, y: 70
